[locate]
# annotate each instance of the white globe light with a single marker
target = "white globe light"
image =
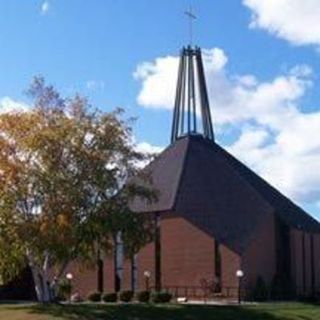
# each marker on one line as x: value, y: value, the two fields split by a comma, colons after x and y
x: 239, y: 273
x: 69, y: 276
x: 147, y: 274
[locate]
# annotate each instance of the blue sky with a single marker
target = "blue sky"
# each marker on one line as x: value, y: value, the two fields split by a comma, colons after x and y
x: 262, y: 71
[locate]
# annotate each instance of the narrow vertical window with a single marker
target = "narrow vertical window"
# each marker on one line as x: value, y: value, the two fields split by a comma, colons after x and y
x: 313, y: 290
x: 217, y: 266
x: 157, y: 247
x: 303, y: 244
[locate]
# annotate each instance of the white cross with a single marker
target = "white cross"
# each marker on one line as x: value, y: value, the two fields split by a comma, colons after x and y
x: 191, y: 17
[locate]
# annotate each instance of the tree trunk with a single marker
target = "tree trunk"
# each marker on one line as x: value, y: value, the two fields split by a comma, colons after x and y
x: 40, y: 278
x: 37, y: 284
x: 42, y: 285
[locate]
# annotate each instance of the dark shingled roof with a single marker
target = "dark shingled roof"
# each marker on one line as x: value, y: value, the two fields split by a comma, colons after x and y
x: 200, y: 181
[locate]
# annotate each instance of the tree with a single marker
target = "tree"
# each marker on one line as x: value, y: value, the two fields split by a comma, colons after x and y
x: 63, y: 167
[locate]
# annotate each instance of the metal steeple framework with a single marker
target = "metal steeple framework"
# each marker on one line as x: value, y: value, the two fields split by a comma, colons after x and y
x: 191, y: 110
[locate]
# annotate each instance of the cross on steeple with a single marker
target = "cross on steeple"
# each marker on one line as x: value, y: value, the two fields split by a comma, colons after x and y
x: 191, y: 114
x: 191, y: 16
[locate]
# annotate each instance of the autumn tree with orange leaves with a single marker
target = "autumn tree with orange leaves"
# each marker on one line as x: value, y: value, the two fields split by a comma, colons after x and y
x: 64, y: 169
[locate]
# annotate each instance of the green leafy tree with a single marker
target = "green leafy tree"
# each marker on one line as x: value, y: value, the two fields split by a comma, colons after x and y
x: 63, y: 167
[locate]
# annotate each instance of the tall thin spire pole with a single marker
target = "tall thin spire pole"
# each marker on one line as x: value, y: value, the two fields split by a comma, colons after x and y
x: 191, y: 103
x: 190, y: 75
x: 176, y: 114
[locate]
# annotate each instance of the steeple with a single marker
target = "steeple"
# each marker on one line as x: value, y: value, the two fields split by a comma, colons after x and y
x: 191, y: 110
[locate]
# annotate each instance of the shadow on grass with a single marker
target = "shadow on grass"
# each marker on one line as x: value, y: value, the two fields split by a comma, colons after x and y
x: 175, y: 312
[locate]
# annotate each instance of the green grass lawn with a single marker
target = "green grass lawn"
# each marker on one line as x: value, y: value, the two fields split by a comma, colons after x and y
x: 292, y: 311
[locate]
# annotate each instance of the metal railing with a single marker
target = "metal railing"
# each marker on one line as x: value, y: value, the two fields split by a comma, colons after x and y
x: 200, y: 292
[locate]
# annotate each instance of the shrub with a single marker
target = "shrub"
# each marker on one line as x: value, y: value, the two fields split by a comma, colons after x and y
x: 126, y: 296
x: 110, y: 297
x: 281, y: 288
x: 161, y: 297
x: 260, y: 291
x: 64, y: 290
x: 143, y: 296
x: 94, y: 296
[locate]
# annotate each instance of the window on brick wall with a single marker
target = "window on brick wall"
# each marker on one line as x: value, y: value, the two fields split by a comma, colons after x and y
x: 118, y: 255
x: 217, y: 266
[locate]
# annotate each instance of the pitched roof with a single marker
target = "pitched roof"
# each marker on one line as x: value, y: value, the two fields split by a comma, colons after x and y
x: 202, y: 182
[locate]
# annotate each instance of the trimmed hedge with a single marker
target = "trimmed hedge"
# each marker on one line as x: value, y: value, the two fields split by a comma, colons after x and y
x: 161, y: 297
x: 143, y: 296
x: 126, y: 296
x: 110, y: 297
x: 94, y: 296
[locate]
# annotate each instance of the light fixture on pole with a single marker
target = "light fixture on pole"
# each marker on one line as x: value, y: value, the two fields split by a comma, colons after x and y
x: 147, y: 276
x: 239, y: 275
x: 69, y: 277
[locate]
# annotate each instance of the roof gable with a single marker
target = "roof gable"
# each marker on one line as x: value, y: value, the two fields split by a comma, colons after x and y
x: 165, y: 173
x: 200, y: 181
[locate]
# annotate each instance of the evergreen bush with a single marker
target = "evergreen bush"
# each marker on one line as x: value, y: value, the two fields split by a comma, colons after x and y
x: 94, y: 296
x: 143, y: 296
x: 161, y: 297
x: 126, y: 296
x: 110, y: 297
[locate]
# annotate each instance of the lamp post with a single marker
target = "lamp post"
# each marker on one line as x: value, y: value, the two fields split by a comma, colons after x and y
x: 69, y: 277
x: 239, y: 275
x: 147, y: 275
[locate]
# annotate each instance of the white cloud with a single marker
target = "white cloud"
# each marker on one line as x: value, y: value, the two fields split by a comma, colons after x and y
x: 45, y: 7
x: 291, y: 161
x: 296, y: 21
x: 7, y: 104
x: 95, y: 85
x: 278, y: 140
x: 159, y: 77
x: 147, y: 148
x: 234, y: 98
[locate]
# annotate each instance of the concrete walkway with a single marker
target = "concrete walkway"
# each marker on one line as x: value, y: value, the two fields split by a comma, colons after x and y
x: 219, y: 302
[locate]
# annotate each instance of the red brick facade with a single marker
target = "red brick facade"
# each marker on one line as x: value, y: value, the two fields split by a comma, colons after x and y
x: 188, y: 262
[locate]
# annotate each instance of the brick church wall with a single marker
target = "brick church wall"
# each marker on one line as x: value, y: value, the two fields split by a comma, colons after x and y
x: 259, y: 259
x: 85, y: 277
x: 230, y: 263
x: 145, y: 262
x: 308, y: 264
x: 317, y: 261
x: 187, y: 253
x: 304, y: 286
x: 296, y: 260
x: 188, y: 257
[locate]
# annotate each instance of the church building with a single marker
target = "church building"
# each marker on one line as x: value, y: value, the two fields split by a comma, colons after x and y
x: 217, y: 224
x: 215, y: 217
x: 219, y: 228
